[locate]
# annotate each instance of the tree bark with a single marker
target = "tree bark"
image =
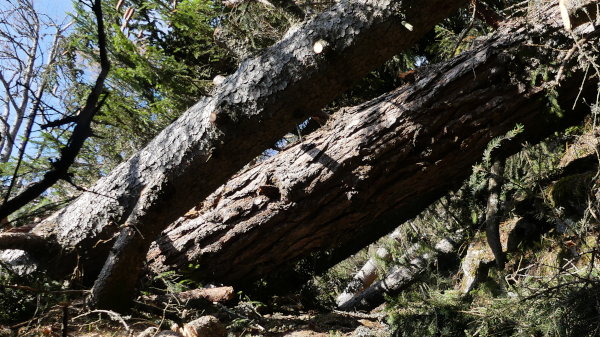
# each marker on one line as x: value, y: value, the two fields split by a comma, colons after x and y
x: 376, y: 165
x: 400, y: 277
x: 254, y: 107
x: 492, y: 218
x: 367, y: 274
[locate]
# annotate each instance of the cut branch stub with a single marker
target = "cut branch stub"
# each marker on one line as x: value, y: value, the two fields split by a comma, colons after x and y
x: 577, y: 12
x: 320, y: 46
x: 267, y: 96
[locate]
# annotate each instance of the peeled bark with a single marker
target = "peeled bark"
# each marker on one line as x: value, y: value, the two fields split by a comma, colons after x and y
x: 196, y: 297
x: 367, y: 274
x: 254, y: 107
x: 400, y: 277
x: 577, y: 12
x: 376, y: 165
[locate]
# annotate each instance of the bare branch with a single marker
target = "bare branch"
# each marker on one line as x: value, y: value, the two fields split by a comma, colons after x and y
x: 59, y: 122
x: 37, y: 96
x: 80, y: 133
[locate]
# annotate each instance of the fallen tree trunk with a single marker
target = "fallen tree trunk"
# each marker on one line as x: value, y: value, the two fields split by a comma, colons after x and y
x: 367, y: 274
x: 254, y: 107
x: 376, y: 165
x: 400, y: 277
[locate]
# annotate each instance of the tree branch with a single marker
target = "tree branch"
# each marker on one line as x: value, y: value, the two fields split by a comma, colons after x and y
x: 37, y: 95
x: 289, y: 6
x: 80, y: 133
x: 35, y: 245
x: 59, y: 122
x: 492, y: 218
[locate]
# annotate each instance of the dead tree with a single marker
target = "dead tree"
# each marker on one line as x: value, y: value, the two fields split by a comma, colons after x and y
x: 254, y: 107
x: 29, y: 48
x: 380, y: 163
x: 370, y: 167
x: 401, y: 276
x: 367, y: 273
x: 492, y: 218
x: 81, y: 131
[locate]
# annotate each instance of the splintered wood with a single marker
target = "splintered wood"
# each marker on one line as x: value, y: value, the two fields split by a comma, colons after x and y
x: 574, y: 13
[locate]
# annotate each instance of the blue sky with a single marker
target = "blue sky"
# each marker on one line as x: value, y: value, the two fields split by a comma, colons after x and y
x: 56, y: 9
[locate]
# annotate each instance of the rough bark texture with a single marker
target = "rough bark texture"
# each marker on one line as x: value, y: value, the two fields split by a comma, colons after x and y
x: 254, y: 107
x: 492, y: 218
x: 375, y: 165
x: 260, y: 96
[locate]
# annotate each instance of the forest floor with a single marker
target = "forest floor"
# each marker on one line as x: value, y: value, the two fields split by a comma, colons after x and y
x: 301, y: 323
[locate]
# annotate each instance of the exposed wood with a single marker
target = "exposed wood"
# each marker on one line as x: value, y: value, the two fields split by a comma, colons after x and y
x: 205, y: 326
x: 267, y: 96
x: 400, y: 277
x: 320, y: 46
x: 367, y: 274
x: 218, y: 294
x: 375, y: 165
x: 201, y: 298
x: 577, y: 12
x: 126, y: 17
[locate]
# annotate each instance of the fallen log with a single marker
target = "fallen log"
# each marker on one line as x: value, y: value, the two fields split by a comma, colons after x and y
x: 253, y: 108
x: 400, y: 277
x: 367, y: 274
x: 200, y: 297
x: 378, y: 164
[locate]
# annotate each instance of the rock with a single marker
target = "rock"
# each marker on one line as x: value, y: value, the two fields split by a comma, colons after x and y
x: 363, y: 331
x: 20, y: 263
x: 205, y: 326
x: 307, y: 333
x: 479, y: 257
x: 475, y: 264
x: 584, y: 145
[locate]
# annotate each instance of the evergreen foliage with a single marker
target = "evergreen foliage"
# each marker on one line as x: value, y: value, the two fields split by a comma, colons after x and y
x: 164, y: 59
